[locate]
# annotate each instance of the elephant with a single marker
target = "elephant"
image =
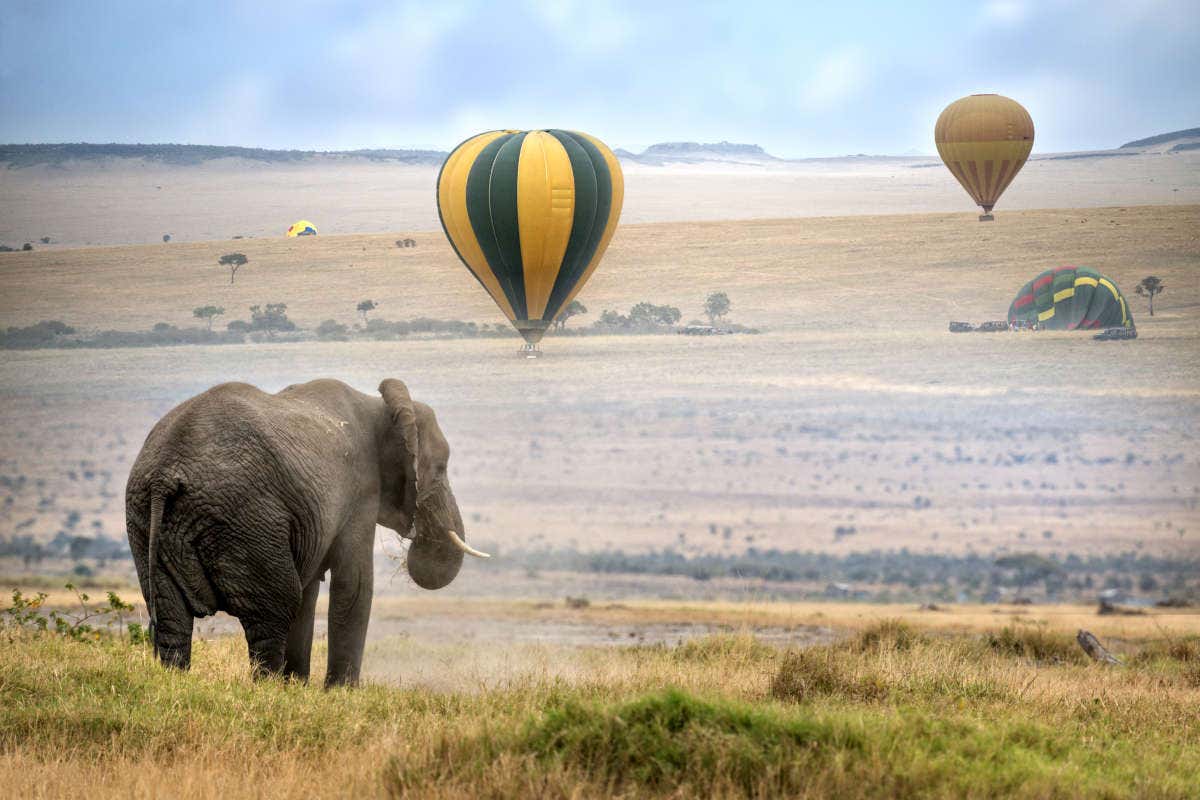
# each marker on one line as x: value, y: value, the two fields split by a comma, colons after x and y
x: 241, y: 501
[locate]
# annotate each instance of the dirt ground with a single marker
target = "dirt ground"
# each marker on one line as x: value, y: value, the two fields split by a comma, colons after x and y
x: 855, y: 409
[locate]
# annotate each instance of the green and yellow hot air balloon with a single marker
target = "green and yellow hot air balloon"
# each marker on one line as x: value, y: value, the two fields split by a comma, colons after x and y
x: 984, y: 140
x: 1068, y: 299
x: 530, y: 213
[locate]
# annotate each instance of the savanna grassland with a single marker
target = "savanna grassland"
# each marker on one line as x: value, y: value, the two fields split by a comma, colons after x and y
x: 886, y: 708
x: 853, y: 423
x: 855, y: 410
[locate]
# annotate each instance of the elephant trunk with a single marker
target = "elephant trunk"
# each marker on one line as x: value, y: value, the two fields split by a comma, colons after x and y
x: 434, y: 558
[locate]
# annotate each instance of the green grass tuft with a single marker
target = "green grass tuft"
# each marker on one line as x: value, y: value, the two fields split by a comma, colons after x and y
x: 1037, y: 643
x: 673, y: 739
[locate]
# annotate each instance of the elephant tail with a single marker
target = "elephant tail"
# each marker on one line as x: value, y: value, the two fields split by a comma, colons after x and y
x: 157, y: 502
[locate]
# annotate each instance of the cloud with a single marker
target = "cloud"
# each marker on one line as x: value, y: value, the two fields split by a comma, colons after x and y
x: 389, y: 54
x: 838, y: 77
x: 1005, y: 13
x: 594, y: 27
x: 239, y: 110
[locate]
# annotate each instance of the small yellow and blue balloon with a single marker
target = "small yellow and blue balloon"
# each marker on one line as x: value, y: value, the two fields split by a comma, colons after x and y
x: 530, y: 213
x: 302, y: 228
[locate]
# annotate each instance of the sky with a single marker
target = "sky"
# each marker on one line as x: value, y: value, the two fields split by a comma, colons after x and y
x: 799, y: 79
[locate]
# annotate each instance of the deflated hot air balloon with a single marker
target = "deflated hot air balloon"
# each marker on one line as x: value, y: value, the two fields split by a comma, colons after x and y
x: 530, y: 213
x: 984, y: 139
x: 1070, y: 298
x: 302, y: 228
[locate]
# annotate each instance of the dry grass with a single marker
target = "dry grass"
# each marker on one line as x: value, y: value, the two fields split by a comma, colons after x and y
x: 893, y: 711
x: 635, y: 441
x: 831, y: 273
x: 748, y: 616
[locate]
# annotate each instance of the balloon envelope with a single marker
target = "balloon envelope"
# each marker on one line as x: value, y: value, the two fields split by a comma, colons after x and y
x: 530, y: 213
x: 984, y: 140
x: 1070, y: 298
x: 302, y: 228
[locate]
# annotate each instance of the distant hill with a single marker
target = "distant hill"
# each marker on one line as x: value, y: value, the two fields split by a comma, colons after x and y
x: 696, y: 152
x: 28, y: 155
x: 1165, y: 138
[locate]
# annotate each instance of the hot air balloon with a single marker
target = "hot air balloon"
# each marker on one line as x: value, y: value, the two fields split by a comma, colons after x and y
x: 984, y: 139
x: 530, y: 213
x: 302, y: 228
x: 1070, y: 298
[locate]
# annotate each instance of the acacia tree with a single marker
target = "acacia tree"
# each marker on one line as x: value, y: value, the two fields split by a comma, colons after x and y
x: 234, y: 261
x: 573, y: 309
x: 208, y: 313
x: 273, y: 318
x: 365, y: 307
x: 1028, y: 567
x: 1149, y: 287
x: 716, y: 306
x: 650, y: 315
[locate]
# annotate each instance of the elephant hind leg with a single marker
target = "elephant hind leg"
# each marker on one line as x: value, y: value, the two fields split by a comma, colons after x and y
x: 266, y: 640
x: 252, y: 569
x: 298, y: 654
x: 173, y: 623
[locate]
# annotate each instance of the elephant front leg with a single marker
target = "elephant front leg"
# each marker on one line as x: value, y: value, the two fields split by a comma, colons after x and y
x: 298, y: 653
x: 350, y: 588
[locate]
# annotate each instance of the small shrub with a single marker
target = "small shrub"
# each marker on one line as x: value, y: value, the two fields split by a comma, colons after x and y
x: 332, y: 331
x: 818, y: 671
x: 25, y: 613
x: 724, y: 648
x: 887, y: 635
x: 1035, y: 642
x: 42, y: 334
x: 673, y: 741
x: 1183, y: 648
x: 1191, y: 674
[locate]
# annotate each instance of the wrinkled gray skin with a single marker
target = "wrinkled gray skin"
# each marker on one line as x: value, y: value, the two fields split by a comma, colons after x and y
x: 241, y: 501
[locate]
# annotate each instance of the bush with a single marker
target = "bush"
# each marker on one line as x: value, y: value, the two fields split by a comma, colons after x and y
x: 672, y: 740
x: 888, y: 635
x: 817, y: 671
x: 161, y: 335
x: 332, y: 331
x: 643, y: 318
x: 1035, y: 642
x: 725, y: 648
x: 1185, y: 649
x: 42, y: 334
x: 273, y: 318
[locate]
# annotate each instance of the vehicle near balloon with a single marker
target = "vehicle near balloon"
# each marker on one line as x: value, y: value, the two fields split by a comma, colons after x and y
x: 984, y: 140
x: 1070, y: 298
x: 530, y: 214
x: 302, y: 228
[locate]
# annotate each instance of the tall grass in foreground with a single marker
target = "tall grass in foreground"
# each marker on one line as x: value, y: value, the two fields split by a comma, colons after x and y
x: 893, y: 712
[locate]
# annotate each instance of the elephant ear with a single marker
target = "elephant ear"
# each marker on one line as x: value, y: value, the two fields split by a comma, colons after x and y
x: 404, y: 423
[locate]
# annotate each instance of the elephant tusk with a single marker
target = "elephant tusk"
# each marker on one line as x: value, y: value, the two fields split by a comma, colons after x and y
x: 466, y: 548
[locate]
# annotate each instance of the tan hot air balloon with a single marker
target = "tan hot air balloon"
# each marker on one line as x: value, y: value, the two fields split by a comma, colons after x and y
x: 984, y: 139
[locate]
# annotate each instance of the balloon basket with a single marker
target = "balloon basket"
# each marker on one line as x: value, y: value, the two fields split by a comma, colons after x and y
x: 530, y: 351
x: 988, y: 217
